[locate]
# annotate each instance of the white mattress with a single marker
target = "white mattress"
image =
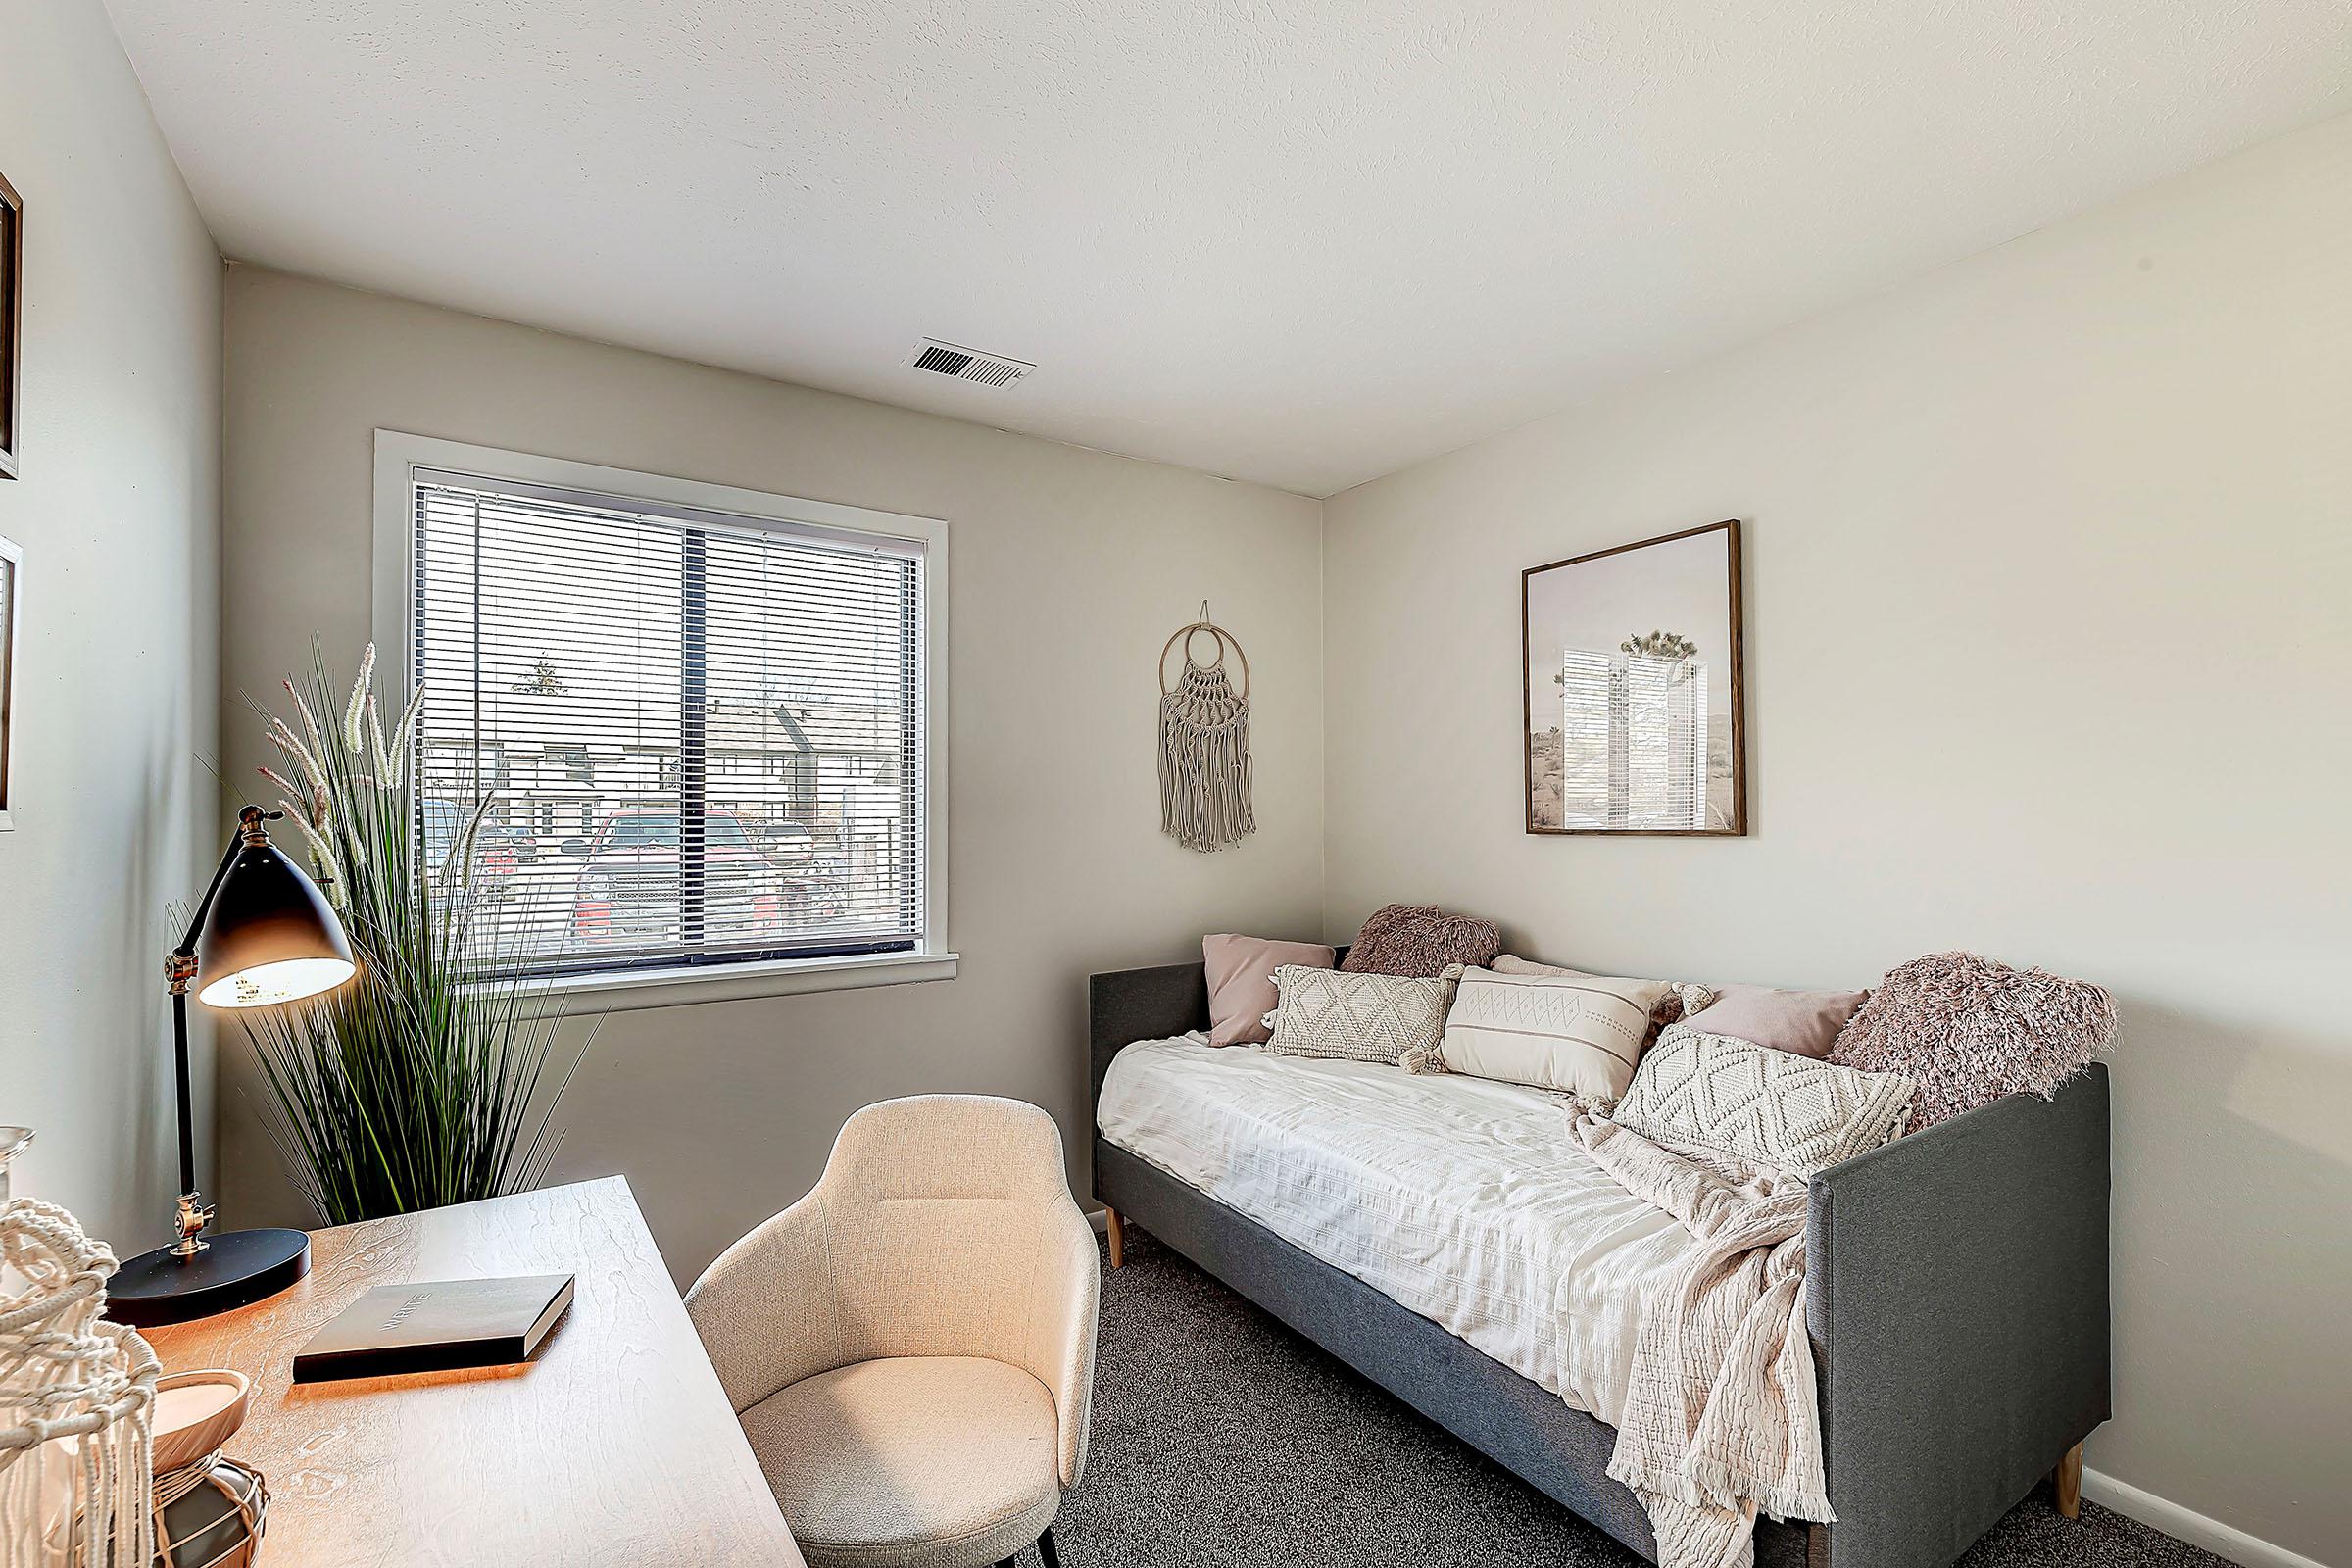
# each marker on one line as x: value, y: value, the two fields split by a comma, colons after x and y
x: 1466, y: 1200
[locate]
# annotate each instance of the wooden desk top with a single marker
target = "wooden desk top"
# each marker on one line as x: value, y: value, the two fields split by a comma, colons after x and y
x: 613, y: 1445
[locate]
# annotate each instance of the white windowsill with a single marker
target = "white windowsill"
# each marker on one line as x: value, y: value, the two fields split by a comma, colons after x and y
x: 570, y: 996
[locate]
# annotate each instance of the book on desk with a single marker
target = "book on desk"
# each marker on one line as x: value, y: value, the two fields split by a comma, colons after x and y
x: 436, y: 1326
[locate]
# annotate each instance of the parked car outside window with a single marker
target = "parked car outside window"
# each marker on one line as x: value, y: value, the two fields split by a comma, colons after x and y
x: 631, y: 883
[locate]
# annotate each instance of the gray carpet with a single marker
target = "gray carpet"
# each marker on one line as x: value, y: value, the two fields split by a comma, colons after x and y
x: 1223, y: 1439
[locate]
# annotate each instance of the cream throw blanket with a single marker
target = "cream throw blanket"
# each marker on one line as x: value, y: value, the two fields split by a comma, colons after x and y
x: 1722, y: 1416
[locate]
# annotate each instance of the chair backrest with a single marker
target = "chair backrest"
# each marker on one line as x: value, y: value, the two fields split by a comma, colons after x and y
x: 941, y: 1212
x: 943, y: 1225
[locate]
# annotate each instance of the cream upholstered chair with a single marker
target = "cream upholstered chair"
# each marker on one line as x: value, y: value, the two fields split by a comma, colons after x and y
x: 911, y: 1347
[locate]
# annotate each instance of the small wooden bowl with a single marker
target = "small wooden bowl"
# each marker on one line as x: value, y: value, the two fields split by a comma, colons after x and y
x: 195, y: 1412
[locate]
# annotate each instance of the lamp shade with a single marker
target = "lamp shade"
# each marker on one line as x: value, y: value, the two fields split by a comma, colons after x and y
x: 269, y: 936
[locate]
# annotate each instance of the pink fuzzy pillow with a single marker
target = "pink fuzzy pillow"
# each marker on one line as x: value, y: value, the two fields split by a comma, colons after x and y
x: 1969, y: 1030
x: 1419, y: 940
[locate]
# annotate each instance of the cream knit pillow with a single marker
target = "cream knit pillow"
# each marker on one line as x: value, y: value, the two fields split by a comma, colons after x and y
x: 1580, y: 1034
x: 1680, y: 999
x: 1358, y: 1017
x: 1712, y: 1093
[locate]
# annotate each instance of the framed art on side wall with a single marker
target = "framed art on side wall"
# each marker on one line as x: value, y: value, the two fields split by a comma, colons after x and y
x: 1633, y: 702
x: 12, y: 577
x: 12, y: 311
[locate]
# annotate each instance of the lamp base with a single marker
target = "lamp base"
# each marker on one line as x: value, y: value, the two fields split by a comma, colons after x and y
x: 235, y: 1269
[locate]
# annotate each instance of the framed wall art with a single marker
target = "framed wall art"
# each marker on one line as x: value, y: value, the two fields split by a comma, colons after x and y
x: 1634, y: 702
x: 12, y: 332
x: 12, y: 575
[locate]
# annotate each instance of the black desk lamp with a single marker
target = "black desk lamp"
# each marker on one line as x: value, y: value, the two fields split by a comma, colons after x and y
x: 263, y: 934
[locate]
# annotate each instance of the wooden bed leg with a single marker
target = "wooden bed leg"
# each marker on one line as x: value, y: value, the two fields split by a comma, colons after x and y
x: 1817, y: 1545
x: 2068, y: 1478
x: 1116, y: 1229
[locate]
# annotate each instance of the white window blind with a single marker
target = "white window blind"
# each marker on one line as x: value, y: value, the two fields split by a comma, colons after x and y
x: 701, y: 735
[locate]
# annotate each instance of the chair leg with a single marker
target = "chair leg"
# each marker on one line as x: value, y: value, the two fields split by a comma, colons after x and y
x: 1116, y: 1229
x: 1045, y: 1549
x: 2069, y: 1479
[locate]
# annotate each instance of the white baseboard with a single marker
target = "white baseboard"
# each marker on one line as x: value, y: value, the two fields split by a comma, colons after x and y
x: 2223, y: 1540
x: 1099, y: 1219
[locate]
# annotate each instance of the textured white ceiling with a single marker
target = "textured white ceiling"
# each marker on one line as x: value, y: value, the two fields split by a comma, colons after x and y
x: 1298, y: 243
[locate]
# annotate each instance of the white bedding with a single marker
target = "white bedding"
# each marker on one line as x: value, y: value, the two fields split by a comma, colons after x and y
x: 1464, y: 1200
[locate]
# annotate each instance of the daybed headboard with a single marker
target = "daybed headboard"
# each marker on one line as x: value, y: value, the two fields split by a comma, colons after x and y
x: 1140, y: 1005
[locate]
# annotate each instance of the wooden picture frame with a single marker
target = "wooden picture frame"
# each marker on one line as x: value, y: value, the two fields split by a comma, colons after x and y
x: 12, y: 325
x: 1648, y: 728
x: 12, y: 593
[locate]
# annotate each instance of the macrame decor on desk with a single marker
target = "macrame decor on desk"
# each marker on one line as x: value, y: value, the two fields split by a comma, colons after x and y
x: 76, y: 1395
x: 1205, y: 743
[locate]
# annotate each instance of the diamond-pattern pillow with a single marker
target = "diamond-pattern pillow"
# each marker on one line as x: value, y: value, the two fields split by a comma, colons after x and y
x: 1712, y: 1094
x: 1358, y: 1017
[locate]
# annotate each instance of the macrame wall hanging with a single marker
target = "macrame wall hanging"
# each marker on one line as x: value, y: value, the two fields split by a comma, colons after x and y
x: 1205, y: 743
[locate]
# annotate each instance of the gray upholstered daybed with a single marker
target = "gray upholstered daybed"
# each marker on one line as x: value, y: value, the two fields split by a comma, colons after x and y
x: 1956, y: 1297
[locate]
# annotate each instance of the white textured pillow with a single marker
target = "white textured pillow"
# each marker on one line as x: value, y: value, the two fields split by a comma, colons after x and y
x: 1713, y: 1094
x: 1358, y: 1017
x: 1580, y: 1034
x: 1685, y: 996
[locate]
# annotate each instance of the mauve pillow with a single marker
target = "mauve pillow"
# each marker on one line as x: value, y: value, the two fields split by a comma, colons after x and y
x: 1241, y: 983
x: 1804, y: 1023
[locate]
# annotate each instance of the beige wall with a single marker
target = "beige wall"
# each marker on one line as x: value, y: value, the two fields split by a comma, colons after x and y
x: 1068, y: 569
x: 118, y: 511
x: 2048, y: 565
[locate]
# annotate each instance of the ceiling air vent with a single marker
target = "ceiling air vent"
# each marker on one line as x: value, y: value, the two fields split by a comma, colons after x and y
x: 967, y: 364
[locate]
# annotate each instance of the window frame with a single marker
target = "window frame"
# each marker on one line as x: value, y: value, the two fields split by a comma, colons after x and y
x: 398, y: 458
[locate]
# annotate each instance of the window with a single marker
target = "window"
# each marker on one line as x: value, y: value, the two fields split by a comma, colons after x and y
x: 700, y: 718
